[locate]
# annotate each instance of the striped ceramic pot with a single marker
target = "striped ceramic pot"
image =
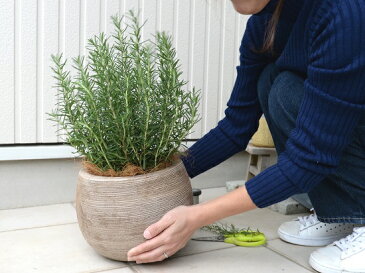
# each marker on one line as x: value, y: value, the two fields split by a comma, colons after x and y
x: 113, y: 212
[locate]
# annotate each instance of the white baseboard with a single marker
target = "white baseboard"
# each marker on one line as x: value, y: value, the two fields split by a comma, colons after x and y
x: 34, y: 152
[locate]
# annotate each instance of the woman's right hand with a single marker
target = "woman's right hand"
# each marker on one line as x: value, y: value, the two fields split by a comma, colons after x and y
x: 168, y: 235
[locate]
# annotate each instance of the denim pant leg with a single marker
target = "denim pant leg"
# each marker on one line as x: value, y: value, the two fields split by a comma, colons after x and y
x: 340, y: 197
x: 280, y: 136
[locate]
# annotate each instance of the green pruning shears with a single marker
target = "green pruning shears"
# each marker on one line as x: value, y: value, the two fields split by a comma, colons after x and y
x: 236, y: 237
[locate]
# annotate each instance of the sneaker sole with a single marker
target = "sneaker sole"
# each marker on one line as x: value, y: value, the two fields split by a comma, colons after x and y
x: 324, y: 269
x: 308, y: 242
x: 320, y: 268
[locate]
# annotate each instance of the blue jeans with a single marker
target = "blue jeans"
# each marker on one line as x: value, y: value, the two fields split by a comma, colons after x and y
x: 340, y: 197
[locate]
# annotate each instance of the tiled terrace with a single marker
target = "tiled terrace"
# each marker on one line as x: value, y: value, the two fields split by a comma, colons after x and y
x: 47, y: 239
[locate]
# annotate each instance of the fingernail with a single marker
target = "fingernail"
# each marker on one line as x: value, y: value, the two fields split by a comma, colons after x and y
x: 147, y: 234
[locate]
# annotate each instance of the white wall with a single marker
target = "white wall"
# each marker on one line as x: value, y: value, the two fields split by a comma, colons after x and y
x: 207, y: 35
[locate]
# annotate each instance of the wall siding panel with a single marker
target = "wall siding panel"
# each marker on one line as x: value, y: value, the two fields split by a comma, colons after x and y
x: 206, y: 34
x: 7, y: 72
x: 49, y: 44
x: 27, y: 96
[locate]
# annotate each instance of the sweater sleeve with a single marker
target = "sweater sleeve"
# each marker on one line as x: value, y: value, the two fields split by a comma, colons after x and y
x: 243, y: 111
x: 332, y: 105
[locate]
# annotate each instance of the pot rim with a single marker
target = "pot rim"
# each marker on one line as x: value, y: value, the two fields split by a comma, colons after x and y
x: 93, y: 177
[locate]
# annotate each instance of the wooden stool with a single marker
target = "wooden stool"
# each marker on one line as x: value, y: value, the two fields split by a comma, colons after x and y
x: 260, y: 158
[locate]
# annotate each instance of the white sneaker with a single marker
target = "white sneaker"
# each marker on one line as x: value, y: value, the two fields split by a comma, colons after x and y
x: 309, y: 231
x: 344, y: 256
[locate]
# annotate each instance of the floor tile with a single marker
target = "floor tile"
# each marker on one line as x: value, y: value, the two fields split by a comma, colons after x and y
x: 195, y: 247
x: 56, y: 249
x: 208, y: 194
x: 119, y: 270
x: 37, y: 217
x: 299, y: 254
x: 231, y: 260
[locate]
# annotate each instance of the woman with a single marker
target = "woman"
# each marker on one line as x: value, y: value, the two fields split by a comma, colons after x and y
x: 302, y: 64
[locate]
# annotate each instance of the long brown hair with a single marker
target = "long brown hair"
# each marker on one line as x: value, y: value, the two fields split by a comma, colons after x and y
x: 268, y: 46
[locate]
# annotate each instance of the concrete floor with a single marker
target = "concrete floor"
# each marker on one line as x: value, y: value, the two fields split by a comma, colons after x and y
x: 47, y: 239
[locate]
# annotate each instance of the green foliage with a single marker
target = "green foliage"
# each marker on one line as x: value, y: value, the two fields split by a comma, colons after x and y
x: 127, y: 103
x: 228, y: 230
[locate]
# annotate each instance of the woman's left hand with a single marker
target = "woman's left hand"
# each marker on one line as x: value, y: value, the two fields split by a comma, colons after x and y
x: 168, y: 235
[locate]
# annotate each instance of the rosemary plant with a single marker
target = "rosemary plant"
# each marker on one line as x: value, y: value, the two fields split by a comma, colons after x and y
x: 229, y: 230
x: 127, y: 103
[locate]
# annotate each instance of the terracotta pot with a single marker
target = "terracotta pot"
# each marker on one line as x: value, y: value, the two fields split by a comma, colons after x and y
x: 113, y: 212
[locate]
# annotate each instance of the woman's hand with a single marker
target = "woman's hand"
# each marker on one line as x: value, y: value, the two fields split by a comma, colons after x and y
x: 168, y: 235
x: 175, y: 228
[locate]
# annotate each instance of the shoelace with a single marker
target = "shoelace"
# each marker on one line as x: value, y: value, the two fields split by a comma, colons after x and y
x: 353, y: 242
x: 308, y: 220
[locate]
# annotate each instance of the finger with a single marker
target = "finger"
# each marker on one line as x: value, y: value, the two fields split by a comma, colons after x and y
x: 154, y: 255
x: 146, y: 246
x: 156, y: 228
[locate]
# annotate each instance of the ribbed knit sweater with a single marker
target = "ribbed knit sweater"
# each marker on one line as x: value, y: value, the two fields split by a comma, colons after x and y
x: 325, y: 42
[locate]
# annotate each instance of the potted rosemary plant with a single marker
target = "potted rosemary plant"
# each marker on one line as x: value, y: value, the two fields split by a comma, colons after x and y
x: 126, y: 111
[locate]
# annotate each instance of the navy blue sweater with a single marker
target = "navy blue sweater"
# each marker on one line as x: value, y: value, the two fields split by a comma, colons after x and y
x: 324, y: 41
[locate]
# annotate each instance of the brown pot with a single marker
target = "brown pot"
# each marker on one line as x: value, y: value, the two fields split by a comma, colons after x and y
x: 113, y: 212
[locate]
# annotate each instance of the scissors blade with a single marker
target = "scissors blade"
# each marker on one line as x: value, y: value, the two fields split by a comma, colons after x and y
x: 218, y: 238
